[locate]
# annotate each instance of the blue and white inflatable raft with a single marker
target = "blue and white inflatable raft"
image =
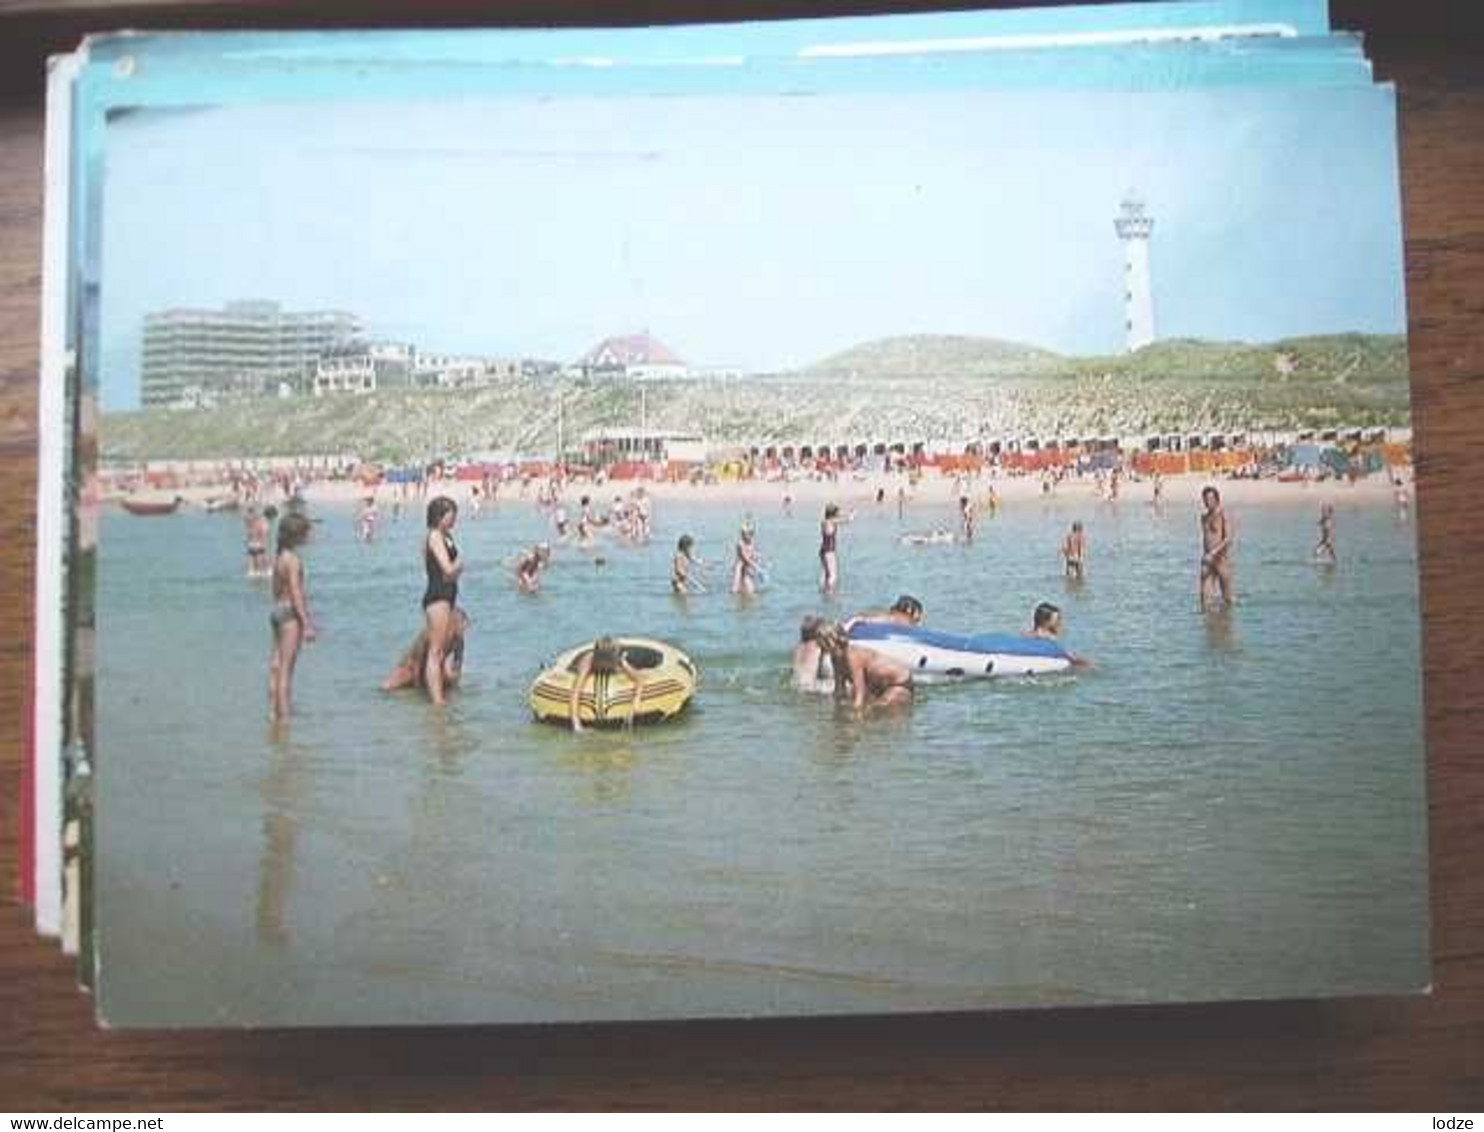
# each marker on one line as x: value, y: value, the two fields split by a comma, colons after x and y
x: 949, y: 656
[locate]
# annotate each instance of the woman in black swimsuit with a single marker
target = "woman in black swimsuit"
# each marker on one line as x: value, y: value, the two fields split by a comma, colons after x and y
x: 441, y: 560
x: 829, y: 558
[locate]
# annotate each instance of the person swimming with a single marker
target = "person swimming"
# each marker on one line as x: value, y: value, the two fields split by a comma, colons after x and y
x: 1046, y: 622
x: 938, y: 536
x: 529, y: 567
x: 1046, y: 625
x: 289, y: 620
x: 906, y: 610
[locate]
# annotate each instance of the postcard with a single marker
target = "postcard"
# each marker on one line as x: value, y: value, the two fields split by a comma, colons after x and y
x: 609, y: 556
x: 1132, y: 46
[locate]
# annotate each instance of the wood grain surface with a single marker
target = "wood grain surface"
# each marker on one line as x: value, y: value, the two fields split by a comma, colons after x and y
x: 1423, y: 1053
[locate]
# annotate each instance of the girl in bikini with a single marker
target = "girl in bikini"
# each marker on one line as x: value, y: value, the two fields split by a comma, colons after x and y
x: 290, y: 620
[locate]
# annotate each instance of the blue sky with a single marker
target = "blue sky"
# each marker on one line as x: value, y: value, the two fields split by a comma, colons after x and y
x: 760, y: 232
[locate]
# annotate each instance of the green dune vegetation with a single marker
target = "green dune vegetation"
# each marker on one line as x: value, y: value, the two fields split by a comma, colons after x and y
x: 938, y: 389
x: 936, y: 356
x: 1335, y: 358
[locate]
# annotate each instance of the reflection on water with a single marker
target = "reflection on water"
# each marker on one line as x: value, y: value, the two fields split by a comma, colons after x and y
x: 1252, y: 776
x: 602, y: 764
x: 1221, y: 630
x: 282, y: 792
x: 447, y: 736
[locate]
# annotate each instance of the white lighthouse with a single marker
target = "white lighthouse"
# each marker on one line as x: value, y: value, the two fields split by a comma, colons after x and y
x: 1134, y: 227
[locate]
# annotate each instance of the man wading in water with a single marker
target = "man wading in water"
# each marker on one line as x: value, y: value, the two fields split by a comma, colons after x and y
x: 1217, y: 534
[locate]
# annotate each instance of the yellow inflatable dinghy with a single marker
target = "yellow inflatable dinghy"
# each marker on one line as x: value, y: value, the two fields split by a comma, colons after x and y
x: 667, y: 683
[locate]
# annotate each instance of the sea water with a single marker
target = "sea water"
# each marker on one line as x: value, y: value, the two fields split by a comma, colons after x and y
x: 1225, y: 806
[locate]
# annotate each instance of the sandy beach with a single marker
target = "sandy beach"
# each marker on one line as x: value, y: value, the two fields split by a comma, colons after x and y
x: 850, y: 491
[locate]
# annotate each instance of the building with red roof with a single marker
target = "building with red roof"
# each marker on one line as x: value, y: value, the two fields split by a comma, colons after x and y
x: 633, y: 356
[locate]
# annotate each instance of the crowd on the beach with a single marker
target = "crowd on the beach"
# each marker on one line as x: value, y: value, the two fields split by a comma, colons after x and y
x: 1103, y: 462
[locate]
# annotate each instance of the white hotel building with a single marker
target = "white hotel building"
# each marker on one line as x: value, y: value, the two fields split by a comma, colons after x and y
x: 252, y: 348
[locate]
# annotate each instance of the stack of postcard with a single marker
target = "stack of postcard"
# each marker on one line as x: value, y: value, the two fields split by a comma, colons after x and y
x: 907, y: 513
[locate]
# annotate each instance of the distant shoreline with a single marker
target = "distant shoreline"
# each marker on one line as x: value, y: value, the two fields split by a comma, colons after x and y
x: 809, y: 495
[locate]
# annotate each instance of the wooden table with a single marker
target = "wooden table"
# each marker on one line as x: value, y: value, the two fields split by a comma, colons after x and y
x: 1425, y: 1053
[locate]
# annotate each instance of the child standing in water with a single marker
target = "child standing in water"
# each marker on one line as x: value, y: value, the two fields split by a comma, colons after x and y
x: 368, y: 519
x: 1400, y: 495
x: 748, y: 565
x: 258, y: 527
x: 290, y: 620
x: 684, y: 568
x: 1324, y: 552
x: 1074, y: 551
x: 586, y: 523
x: 643, y: 508
x: 829, y: 553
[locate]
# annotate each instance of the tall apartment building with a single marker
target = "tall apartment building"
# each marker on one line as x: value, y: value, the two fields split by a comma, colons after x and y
x: 244, y: 349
